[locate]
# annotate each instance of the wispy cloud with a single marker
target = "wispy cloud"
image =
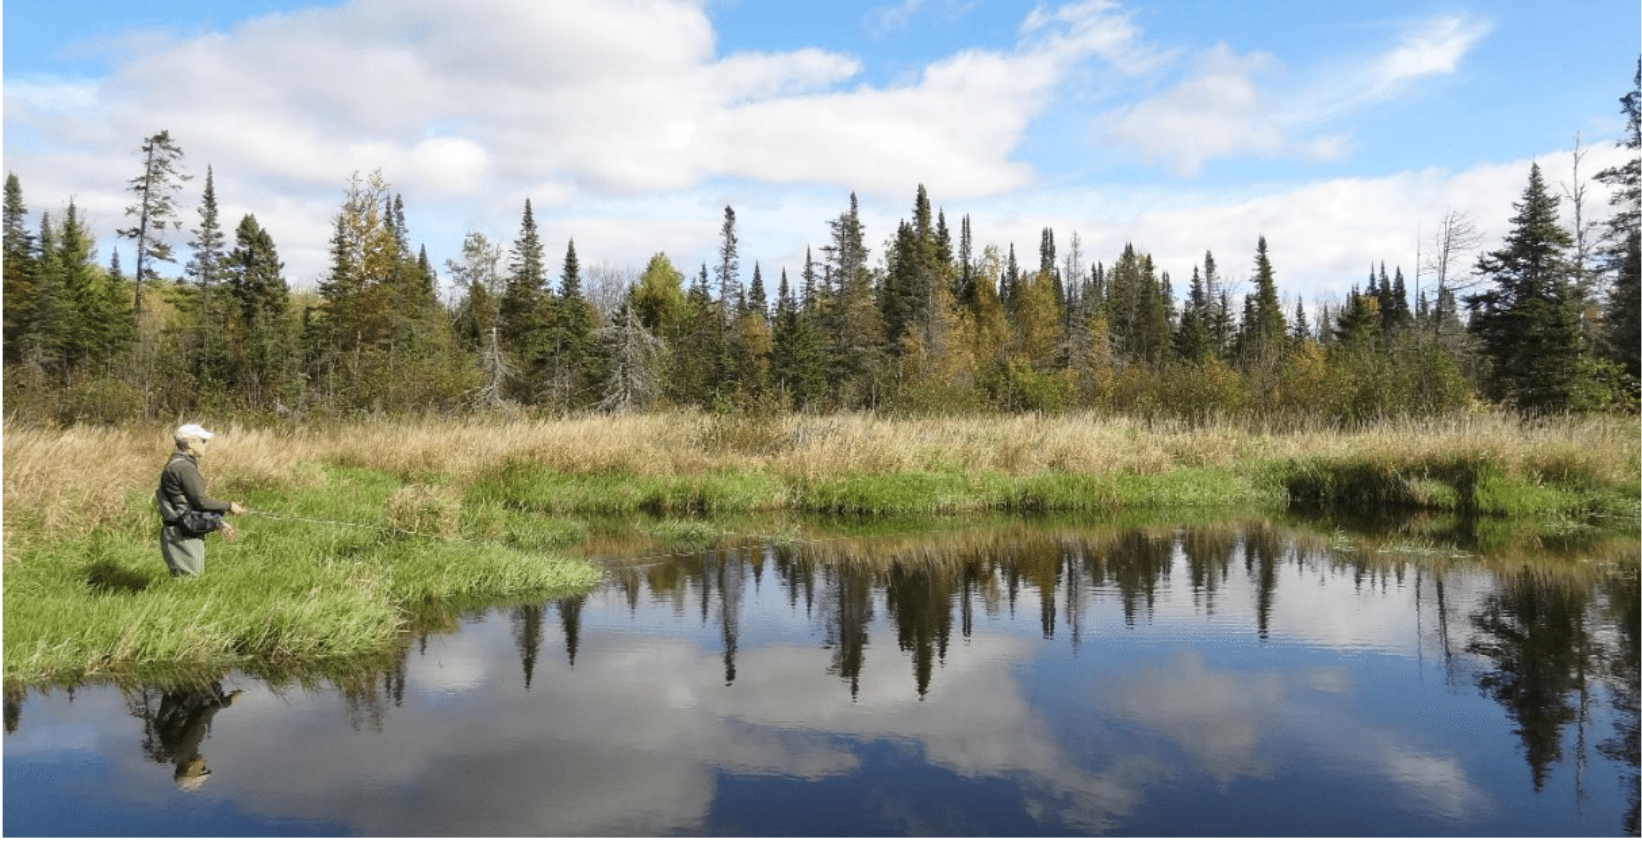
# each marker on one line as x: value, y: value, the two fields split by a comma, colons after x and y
x: 1433, y: 47
x: 1232, y: 105
x: 882, y: 21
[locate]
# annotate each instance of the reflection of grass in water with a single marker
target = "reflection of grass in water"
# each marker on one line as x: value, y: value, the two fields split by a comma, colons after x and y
x: 684, y: 535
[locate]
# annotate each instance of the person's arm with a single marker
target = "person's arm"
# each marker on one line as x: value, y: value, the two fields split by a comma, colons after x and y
x: 193, y: 487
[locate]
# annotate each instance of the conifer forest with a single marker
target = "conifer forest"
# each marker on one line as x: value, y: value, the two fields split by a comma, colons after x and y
x: 929, y: 318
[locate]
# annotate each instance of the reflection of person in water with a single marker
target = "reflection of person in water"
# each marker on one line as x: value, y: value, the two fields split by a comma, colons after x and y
x: 181, y: 725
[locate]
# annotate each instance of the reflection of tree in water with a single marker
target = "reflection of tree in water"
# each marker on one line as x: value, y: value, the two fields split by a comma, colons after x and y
x: 1623, y: 666
x: 570, y: 620
x: 796, y: 572
x: 1036, y: 560
x: 729, y: 572
x: 1550, y: 659
x: 1139, y: 561
x: 529, y: 626
x: 848, y: 596
x: 920, y: 599
x: 1262, y: 553
x: 1209, y: 554
x: 368, y: 694
x: 1534, y: 630
x: 527, y: 636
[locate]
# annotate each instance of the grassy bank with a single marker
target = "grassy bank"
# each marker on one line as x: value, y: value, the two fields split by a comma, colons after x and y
x: 354, y: 561
x: 360, y: 527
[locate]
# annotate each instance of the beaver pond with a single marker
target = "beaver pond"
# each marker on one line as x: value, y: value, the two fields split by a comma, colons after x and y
x: 1004, y: 677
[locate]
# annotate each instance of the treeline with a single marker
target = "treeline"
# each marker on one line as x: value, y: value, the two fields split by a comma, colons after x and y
x: 934, y: 323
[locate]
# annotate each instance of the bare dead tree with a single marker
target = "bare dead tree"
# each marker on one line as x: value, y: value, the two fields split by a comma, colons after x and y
x: 605, y: 287
x: 497, y: 372
x: 1584, y: 280
x: 635, y: 362
x: 1456, y: 237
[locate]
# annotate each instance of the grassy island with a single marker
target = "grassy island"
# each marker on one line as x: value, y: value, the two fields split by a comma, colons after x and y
x: 361, y: 530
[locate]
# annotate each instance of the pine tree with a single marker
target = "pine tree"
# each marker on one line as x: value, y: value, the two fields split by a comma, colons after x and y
x: 19, y: 262
x: 1138, y: 308
x: 964, y: 281
x: 48, y: 309
x: 728, y: 270
x: 209, y: 245
x: 155, y: 209
x: 757, y: 300
x: 800, y: 366
x: 1192, y: 341
x: 207, y: 269
x: 753, y: 341
x: 1527, y: 325
x: 88, y: 332
x: 1302, y: 329
x: 257, y: 283
x: 572, y: 336
x: 856, y: 351
x: 523, y: 314
x: 1219, y: 320
x: 1358, y: 325
x: 1622, y: 245
x: 1265, y: 336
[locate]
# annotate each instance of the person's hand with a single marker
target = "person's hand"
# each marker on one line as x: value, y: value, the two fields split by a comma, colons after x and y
x: 228, y: 531
x: 236, y: 509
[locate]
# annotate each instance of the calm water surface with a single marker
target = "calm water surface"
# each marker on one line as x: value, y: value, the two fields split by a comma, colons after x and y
x: 1236, y: 679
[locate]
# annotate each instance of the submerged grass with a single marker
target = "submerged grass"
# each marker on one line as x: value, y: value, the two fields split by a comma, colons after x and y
x: 372, y: 522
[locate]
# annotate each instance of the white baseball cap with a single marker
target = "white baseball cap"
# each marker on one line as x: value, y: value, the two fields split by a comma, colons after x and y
x: 193, y: 431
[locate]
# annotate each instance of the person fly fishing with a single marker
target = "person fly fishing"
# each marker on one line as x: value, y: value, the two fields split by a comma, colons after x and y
x: 186, y: 513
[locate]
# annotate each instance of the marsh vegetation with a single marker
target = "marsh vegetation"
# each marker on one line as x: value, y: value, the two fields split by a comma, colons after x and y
x: 357, y: 529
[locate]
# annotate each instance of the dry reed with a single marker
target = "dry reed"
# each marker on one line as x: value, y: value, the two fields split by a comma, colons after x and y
x: 84, y: 477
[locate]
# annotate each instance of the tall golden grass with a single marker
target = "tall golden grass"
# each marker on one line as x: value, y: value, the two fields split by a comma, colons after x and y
x: 85, y: 477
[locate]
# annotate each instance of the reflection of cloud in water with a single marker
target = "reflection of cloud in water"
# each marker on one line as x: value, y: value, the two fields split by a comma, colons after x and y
x: 1225, y: 721
x: 631, y: 740
x: 1217, y: 718
x: 462, y: 661
x: 601, y: 750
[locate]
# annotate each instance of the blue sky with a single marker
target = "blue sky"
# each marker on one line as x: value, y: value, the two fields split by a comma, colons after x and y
x: 1340, y: 131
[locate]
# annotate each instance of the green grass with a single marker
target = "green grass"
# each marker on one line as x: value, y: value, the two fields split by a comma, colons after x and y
x: 288, y: 592
x: 1466, y: 484
x: 341, y: 562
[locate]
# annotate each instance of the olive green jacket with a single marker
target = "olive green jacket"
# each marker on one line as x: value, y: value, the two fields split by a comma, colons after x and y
x: 182, y: 488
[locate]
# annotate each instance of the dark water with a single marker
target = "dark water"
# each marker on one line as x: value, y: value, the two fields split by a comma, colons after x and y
x: 1238, y: 679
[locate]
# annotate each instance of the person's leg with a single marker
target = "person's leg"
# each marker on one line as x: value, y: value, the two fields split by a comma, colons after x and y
x: 183, y: 555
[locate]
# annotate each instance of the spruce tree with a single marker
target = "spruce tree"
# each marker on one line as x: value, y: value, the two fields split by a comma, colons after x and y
x: 572, y: 332
x: 206, y: 266
x: 1527, y: 326
x: 1622, y: 245
x: 1265, y: 337
x: 257, y: 283
x: 1192, y: 341
x: 523, y: 312
x: 207, y: 269
x: 19, y: 264
x: 155, y: 209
